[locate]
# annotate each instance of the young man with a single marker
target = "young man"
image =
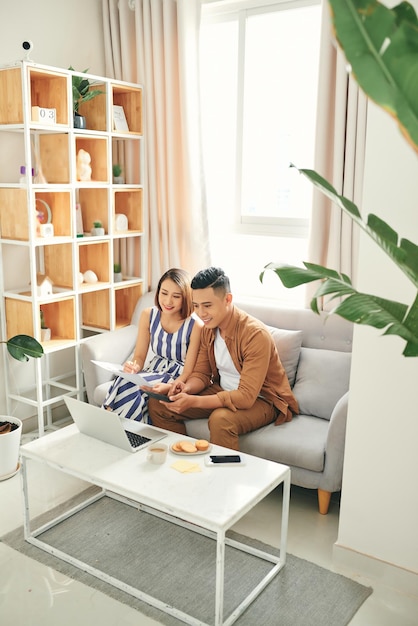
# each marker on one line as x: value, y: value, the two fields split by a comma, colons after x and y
x: 238, y: 382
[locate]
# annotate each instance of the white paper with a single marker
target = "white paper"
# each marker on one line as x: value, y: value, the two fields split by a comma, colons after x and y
x: 117, y: 369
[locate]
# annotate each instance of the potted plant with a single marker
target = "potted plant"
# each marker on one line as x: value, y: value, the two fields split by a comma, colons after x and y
x: 82, y: 92
x: 117, y: 273
x: 45, y: 331
x: 97, y: 230
x: 380, y: 45
x: 20, y: 347
x: 118, y: 179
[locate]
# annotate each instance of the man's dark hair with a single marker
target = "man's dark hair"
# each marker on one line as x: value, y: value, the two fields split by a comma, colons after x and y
x: 213, y: 277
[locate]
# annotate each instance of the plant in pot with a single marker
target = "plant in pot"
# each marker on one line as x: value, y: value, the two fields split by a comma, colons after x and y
x: 97, y: 230
x: 381, y: 46
x: 117, y: 273
x: 118, y: 179
x: 20, y: 347
x: 82, y: 92
x: 45, y: 331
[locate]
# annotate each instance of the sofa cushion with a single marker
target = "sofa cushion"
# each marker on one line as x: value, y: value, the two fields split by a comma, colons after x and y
x: 288, y: 344
x: 322, y: 378
x: 100, y: 393
x: 299, y: 443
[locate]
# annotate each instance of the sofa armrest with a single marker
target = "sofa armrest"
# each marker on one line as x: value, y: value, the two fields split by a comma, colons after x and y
x: 335, y: 445
x: 114, y: 346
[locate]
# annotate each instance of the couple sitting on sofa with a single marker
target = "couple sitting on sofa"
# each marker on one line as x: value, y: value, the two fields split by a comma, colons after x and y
x: 223, y: 365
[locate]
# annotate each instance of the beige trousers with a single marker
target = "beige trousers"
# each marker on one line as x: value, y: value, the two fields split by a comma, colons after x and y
x: 225, y: 425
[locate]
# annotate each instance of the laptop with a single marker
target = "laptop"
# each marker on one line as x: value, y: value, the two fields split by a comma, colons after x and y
x: 109, y: 427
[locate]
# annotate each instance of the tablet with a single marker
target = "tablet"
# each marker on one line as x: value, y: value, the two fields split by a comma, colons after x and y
x: 157, y: 396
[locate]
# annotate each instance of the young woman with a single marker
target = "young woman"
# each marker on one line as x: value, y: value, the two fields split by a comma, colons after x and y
x: 173, y: 334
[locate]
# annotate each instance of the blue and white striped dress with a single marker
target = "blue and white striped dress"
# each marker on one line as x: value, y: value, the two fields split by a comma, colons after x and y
x: 124, y: 397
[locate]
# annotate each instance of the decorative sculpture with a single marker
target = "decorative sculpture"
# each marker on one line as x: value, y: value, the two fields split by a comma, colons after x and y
x: 83, y: 165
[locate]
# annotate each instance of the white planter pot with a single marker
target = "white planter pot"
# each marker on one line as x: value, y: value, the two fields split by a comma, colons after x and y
x: 117, y: 277
x: 98, y: 232
x: 45, y: 334
x: 9, y: 448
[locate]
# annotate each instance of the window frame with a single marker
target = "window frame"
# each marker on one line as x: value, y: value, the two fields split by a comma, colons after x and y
x: 239, y: 10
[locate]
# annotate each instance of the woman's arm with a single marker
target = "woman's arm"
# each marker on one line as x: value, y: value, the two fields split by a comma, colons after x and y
x: 142, y: 344
x: 192, y: 351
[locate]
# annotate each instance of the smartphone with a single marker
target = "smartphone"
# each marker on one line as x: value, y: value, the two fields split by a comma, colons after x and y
x: 226, y: 458
x: 158, y: 396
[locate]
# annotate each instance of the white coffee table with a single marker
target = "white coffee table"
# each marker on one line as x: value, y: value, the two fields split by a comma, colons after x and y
x: 208, y: 502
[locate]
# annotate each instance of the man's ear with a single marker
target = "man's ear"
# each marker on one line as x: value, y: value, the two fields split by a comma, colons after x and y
x: 228, y: 298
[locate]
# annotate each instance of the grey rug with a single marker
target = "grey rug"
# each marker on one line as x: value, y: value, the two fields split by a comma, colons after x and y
x: 178, y: 566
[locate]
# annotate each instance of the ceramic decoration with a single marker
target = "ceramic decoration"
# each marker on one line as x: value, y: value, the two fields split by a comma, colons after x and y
x: 83, y: 165
x: 90, y: 277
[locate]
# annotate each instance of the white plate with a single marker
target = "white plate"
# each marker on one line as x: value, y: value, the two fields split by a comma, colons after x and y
x: 190, y: 453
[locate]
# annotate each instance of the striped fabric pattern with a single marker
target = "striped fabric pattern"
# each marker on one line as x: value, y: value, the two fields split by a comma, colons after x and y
x: 124, y: 397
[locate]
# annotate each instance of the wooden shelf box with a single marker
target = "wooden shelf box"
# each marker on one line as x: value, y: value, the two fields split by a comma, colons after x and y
x: 125, y: 302
x: 95, y: 307
x: 129, y: 202
x: 94, y: 256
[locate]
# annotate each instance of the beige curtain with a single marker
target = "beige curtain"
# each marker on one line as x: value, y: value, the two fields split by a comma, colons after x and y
x: 155, y: 43
x: 340, y: 145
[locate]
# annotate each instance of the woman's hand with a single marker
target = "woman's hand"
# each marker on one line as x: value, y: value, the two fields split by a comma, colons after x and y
x: 161, y: 388
x: 131, y: 367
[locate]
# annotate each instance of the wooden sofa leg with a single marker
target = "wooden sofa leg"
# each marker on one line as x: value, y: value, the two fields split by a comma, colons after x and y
x: 324, y: 498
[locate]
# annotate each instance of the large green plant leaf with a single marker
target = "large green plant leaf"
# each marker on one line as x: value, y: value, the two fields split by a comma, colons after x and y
x: 21, y: 347
x: 403, y: 252
x: 381, y: 46
x: 357, y: 307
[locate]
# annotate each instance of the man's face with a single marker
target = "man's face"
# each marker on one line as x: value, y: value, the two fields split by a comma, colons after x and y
x: 212, y: 307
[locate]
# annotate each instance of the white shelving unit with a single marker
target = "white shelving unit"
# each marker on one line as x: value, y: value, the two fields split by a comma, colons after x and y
x: 44, y: 251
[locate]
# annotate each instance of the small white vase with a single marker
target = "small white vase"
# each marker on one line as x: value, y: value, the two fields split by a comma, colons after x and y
x: 98, y: 232
x: 9, y: 448
x: 45, y: 334
x: 117, y: 277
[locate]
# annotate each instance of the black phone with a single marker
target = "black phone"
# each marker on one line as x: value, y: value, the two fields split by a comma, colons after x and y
x: 226, y: 458
x: 158, y: 396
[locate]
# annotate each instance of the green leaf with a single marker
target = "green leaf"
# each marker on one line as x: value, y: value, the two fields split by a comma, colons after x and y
x: 356, y: 307
x: 381, y: 46
x: 21, y: 347
x: 404, y: 254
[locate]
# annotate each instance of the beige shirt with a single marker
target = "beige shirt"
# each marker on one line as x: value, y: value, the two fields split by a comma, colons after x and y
x: 255, y: 357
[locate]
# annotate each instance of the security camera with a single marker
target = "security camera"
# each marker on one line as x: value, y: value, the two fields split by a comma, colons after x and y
x: 27, y: 47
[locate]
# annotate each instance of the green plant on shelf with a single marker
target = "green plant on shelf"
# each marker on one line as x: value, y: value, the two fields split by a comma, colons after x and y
x: 82, y: 91
x: 117, y: 268
x: 117, y: 170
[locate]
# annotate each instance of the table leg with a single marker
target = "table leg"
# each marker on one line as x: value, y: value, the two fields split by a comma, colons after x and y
x: 285, y: 517
x: 220, y: 570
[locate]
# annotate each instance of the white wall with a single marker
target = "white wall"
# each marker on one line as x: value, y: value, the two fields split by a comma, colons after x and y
x: 63, y: 34
x: 379, y: 508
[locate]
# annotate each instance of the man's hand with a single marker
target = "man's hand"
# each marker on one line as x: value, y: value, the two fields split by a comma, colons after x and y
x: 181, y: 401
x: 176, y: 387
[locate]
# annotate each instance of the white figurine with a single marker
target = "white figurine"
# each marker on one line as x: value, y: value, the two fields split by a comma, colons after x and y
x: 83, y: 165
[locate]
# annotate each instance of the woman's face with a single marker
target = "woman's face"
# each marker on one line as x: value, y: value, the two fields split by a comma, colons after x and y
x: 170, y: 297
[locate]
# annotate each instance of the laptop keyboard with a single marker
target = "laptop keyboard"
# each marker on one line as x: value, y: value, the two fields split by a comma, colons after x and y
x: 136, y: 440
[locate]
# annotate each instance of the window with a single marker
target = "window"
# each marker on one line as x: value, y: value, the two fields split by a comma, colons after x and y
x: 259, y: 75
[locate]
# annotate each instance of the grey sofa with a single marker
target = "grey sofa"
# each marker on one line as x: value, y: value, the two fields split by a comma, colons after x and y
x: 316, y: 352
